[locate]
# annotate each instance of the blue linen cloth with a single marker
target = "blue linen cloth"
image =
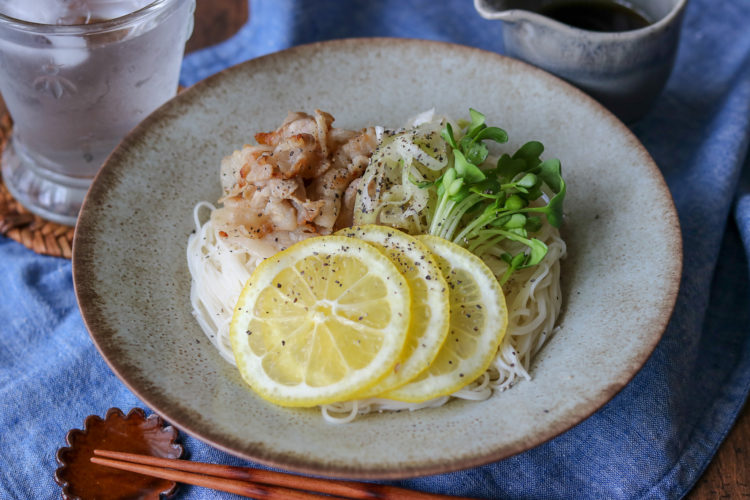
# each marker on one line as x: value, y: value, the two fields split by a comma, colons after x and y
x: 653, y: 440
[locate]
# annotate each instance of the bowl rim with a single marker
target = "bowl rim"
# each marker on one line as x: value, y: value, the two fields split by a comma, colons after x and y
x: 82, y: 251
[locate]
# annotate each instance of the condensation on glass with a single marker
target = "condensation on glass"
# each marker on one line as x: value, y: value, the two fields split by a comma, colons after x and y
x: 76, y: 77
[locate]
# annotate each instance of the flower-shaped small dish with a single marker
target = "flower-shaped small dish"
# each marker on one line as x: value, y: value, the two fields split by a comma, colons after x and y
x: 81, y: 479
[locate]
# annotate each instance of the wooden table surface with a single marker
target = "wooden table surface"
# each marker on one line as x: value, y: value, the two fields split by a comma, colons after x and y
x: 728, y: 474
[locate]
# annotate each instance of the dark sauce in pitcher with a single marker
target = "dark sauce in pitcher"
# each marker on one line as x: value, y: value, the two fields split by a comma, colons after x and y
x: 596, y: 16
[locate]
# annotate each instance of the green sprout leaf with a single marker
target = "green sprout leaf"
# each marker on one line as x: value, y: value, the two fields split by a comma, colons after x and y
x: 447, y: 134
x: 480, y: 207
x: 454, y: 187
x: 516, y: 221
x: 488, y: 188
x: 533, y: 224
x: 449, y: 176
x: 508, y: 167
x: 475, y: 152
x: 530, y: 152
x: 528, y: 181
x: 538, y: 251
x: 550, y: 172
x: 492, y: 133
x: 515, y: 202
x: 555, y: 207
x: 477, y: 122
x: 466, y: 169
x: 514, y: 262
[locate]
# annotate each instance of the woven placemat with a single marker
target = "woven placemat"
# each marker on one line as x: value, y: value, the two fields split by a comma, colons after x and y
x: 41, y: 236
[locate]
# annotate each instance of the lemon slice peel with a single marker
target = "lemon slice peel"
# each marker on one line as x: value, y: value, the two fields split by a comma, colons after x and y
x: 326, y: 358
x: 430, y: 302
x: 475, y: 332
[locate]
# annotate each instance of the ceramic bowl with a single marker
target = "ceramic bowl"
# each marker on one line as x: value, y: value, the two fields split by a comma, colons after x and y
x: 620, y: 278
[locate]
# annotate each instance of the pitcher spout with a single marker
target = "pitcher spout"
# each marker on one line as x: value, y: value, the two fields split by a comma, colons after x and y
x: 508, y: 10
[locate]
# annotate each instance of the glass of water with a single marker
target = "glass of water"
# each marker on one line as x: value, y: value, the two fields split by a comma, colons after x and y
x: 76, y: 77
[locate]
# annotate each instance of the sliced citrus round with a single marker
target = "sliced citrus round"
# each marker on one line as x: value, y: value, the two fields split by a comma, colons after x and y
x: 320, y: 321
x: 430, y: 310
x: 478, y: 320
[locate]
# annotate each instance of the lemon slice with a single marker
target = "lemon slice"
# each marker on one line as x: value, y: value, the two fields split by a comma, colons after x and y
x: 430, y: 310
x: 478, y: 320
x: 320, y: 321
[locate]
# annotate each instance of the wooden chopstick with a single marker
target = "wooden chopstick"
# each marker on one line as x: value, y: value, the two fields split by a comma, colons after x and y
x: 257, y: 483
x: 222, y: 484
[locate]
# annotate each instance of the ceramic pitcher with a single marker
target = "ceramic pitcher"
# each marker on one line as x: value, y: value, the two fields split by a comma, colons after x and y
x: 624, y: 70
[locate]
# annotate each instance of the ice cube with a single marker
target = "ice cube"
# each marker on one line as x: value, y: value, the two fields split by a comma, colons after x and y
x: 35, y: 11
x: 62, y: 51
x: 110, y: 9
x: 69, y: 11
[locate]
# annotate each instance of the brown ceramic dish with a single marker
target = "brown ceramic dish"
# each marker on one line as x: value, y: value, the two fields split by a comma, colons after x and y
x: 133, y: 433
x: 620, y: 279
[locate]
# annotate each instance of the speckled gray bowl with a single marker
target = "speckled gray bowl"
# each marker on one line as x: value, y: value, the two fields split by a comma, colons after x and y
x: 620, y: 279
x: 625, y: 70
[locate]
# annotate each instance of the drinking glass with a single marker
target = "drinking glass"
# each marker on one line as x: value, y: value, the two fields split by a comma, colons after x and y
x: 75, y: 82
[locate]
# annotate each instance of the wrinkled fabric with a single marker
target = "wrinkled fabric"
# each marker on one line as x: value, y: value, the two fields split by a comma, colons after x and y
x: 653, y: 440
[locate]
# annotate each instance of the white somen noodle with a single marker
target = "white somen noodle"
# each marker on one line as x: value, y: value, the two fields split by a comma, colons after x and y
x: 533, y: 297
x: 222, y: 252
